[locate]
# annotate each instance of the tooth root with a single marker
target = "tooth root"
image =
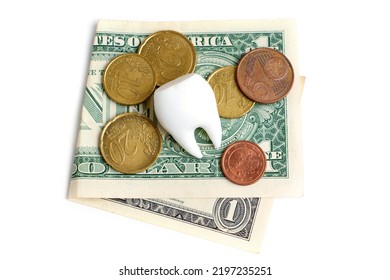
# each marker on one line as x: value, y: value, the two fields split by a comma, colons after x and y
x: 188, y: 142
x: 214, y: 131
x: 185, y: 104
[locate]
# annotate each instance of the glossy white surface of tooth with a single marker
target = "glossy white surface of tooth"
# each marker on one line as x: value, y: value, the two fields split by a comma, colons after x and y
x: 185, y: 104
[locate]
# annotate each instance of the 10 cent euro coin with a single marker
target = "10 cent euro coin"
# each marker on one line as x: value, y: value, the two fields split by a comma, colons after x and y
x: 171, y: 54
x: 129, y: 79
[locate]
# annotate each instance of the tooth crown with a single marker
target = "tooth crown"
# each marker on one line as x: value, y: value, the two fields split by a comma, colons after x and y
x: 185, y: 104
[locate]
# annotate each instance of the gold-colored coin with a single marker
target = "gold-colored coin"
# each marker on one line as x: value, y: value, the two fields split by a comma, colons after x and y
x: 231, y: 102
x: 171, y: 54
x: 130, y: 143
x: 129, y: 79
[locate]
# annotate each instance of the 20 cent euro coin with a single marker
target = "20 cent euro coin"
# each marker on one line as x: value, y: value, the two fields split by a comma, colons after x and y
x: 130, y: 143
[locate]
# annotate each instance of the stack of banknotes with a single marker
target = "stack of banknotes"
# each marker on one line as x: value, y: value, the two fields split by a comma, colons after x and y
x: 180, y: 191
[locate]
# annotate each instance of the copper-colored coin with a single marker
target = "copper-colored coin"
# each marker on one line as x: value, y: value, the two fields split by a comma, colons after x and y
x: 130, y: 143
x: 243, y: 162
x: 265, y: 75
x: 171, y: 54
x: 129, y: 79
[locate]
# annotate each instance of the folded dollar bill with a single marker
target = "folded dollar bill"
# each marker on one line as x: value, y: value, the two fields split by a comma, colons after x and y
x: 176, y: 174
x: 191, y: 195
x: 236, y: 222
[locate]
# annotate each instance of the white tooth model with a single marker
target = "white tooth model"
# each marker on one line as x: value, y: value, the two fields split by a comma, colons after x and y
x: 184, y: 104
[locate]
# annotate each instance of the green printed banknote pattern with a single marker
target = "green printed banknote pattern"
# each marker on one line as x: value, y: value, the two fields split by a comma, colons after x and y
x: 179, y: 191
x: 176, y: 174
x: 264, y: 124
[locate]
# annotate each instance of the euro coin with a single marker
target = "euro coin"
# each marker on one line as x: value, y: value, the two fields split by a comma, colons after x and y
x: 171, y: 54
x: 129, y: 79
x: 265, y: 75
x: 231, y: 102
x: 130, y: 143
x: 243, y: 162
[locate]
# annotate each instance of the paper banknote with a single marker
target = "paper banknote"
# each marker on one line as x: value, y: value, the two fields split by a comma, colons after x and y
x: 236, y: 222
x: 176, y: 174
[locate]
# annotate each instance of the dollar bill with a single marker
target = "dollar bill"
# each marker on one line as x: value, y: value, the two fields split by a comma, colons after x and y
x: 202, y: 202
x: 236, y: 222
x: 176, y: 174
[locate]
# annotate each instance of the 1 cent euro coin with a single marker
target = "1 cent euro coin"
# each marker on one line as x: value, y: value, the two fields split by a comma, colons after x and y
x: 129, y: 79
x: 130, y: 143
x: 243, y: 162
x: 265, y: 75
x: 171, y: 54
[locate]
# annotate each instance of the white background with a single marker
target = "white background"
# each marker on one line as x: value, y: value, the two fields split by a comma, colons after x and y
x: 338, y: 230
